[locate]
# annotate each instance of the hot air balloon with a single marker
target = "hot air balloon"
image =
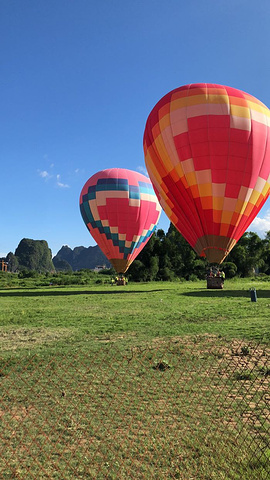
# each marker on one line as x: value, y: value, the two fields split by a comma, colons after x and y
x: 207, y: 152
x: 121, y: 211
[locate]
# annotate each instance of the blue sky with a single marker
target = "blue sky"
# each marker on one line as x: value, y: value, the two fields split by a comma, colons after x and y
x: 78, y: 80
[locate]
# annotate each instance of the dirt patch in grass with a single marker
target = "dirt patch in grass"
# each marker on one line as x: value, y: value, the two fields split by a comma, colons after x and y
x: 115, y: 337
x: 14, y: 339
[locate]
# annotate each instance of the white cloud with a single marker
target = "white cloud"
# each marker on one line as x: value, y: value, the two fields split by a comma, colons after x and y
x: 261, y: 225
x: 142, y: 170
x: 60, y: 184
x: 43, y: 173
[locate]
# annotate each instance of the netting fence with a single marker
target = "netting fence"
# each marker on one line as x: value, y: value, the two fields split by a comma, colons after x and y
x: 190, y: 408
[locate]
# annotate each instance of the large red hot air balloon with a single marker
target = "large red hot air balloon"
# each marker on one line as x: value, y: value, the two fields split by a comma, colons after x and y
x: 207, y: 152
x: 121, y: 211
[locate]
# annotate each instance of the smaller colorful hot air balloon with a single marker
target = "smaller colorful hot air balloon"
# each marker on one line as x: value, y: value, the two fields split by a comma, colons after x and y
x: 121, y: 211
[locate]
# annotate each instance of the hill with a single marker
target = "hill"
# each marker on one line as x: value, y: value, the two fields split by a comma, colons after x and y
x: 32, y: 255
x: 79, y: 257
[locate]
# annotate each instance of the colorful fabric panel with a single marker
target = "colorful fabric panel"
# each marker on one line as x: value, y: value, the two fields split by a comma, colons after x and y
x: 207, y: 153
x: 121, y: 211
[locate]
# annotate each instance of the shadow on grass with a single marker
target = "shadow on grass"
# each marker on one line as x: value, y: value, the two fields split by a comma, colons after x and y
x: 226, y: 293
x: 52, y: 293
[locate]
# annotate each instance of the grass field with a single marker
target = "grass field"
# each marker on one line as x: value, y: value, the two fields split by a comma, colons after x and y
x: 31, y: 318
x: 157, y: 380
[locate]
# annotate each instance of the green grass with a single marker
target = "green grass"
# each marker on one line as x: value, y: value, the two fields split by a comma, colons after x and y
x: 138, y: 311
x: 157, y: 380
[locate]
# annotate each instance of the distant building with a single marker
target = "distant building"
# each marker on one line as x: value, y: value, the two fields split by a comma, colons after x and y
x: 98, y: 268
x: 4, y: 265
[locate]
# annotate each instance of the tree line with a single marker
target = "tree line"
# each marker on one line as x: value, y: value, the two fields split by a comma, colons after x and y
x: 168, y: 256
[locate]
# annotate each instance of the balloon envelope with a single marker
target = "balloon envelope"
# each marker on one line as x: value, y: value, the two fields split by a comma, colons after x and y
x: 207, y: 153
x: 121, y: 211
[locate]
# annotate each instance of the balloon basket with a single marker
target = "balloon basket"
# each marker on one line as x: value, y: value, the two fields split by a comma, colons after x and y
x: 215, y: 282
x: 121, y: 281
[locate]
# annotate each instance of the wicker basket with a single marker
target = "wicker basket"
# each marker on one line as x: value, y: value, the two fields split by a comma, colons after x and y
x: 215, y: 282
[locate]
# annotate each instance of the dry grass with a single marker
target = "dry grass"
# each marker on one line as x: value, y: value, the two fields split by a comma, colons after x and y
x: 28, y: 338
x: 112, y: 413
